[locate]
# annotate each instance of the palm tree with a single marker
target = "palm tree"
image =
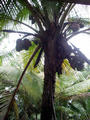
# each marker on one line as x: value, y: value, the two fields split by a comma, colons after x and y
x: 51, y: 36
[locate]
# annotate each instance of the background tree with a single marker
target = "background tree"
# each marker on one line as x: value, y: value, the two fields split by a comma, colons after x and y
x: 53, y: 28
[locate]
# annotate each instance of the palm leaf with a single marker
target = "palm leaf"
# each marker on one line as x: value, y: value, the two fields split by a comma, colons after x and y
x: 73, y: 83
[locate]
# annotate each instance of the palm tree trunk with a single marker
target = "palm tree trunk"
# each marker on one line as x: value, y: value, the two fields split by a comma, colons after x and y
x: 48, y: 95
x: 47, y: 112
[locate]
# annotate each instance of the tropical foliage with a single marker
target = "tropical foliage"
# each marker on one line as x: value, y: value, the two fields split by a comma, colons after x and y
x: 53, y: 30
x: 27, y: 105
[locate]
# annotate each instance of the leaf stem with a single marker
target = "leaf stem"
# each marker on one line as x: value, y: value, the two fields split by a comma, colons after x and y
x: 20, y: 79
x: 78, y: 32
x: 12, y: 31
x: 21, y: 23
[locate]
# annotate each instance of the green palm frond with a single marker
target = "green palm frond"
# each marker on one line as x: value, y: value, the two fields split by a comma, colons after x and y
x: 19, y: 10
x: 72, y: 86
x: 77, y: 88
x: 31, y: 87
x: 73, y: 111
x: 10, y: 8
x: 71, y: 82
x: 85, y: 21
x: 5, y: 94
x: 26, y: 56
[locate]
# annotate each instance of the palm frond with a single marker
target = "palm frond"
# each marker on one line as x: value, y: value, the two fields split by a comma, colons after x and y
x: 71, y: 81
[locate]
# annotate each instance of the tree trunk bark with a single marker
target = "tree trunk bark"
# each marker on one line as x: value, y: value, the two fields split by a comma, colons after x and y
x: 47, y: 112
x: 48, y: 95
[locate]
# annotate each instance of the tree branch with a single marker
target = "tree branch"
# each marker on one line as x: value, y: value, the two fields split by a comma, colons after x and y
x: 61, y: 11
x: 21, y: 23
x: 78, y: 32
x: 81, y: 55
x: 46, y: 13
x: 65, y: 14
x: 41, y: 17
x: 88, y: 33
x: 34, y: 13
x: 20, y: 79
x: 12, y: 31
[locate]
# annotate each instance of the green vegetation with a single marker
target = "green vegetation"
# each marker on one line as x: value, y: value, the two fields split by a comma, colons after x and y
x: 72, y: 96
x: 65, y: 92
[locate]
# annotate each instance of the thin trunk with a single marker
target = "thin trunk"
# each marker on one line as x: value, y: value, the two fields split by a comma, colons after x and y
x: 61, y: 116
x: 47, y: 112
x: 48, y: 94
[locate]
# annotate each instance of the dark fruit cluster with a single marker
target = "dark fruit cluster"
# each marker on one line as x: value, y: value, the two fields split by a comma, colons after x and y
x: 22, y: 44
x: 76, y: 26
x: 60, y: 54
x: 76, y: 61
x: 65, y: 51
